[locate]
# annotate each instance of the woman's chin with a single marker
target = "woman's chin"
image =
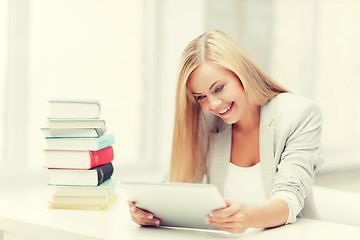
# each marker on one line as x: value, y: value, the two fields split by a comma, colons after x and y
x: 228, y: 121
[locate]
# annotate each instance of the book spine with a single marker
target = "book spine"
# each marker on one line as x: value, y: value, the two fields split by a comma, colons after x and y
x: 105, y: 140
x: 100, y: 131
x: 101, y: 156
x: 104, y: 172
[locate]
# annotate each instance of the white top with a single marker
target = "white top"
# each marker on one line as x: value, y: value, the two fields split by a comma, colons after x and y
x: 244, y: 185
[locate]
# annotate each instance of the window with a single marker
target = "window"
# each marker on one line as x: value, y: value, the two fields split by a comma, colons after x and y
x: 120, y: 52
x: 314, y: 54
x: 88, y: 50
x: 126, y: 53
x: 3, y: 65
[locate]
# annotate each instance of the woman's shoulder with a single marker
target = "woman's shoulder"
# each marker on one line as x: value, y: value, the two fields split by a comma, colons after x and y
x: 287, y: 99
x: 293, y: 103
x: 286, y: 106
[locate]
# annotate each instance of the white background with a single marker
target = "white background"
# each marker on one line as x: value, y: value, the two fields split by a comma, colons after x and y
x: 125, y: 53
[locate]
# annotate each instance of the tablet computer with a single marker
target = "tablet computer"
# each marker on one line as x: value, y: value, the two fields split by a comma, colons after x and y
x: 176, y: 204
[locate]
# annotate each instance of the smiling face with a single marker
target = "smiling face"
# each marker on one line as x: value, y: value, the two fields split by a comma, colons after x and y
x: 219, y: 91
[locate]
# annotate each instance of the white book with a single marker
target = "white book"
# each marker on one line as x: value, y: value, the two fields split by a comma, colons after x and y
x: 83, y: 205
x: 73, y: 132
x: 74, y: 108
x: 81, y: 198
x: 75, y: 123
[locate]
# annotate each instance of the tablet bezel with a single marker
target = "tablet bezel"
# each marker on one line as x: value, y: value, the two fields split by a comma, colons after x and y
x: 184, y: 205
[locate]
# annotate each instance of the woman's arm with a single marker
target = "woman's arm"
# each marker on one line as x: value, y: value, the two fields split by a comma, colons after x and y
x: 236, y: 219
x: 274, y: 213
x: 294, y: 178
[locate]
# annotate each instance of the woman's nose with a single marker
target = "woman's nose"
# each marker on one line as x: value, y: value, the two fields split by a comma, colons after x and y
x: 214, y: 103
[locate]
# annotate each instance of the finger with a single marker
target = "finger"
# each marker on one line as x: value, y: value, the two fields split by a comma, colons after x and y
x: 131, y: 204
x: 139, y: 213
x: 229, y: 219
x: 227, y: 202
x: 237, y: 217
x: 233, y: 227
x: 229, y: 211
x: 229, y: 224
x: 141, y: 216
x: 145, y: 221
x: 144, y: 218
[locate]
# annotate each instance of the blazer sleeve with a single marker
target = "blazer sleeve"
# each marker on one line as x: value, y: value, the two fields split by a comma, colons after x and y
x: 295, y: 171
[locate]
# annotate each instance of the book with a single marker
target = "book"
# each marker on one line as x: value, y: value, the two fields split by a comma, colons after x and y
x: 73, y: 132
x: 106, y: 188
x: 83, y: 205
x: 78, y: 159
x: 91, y: 144
x: 91, y: 177
x: 81, y: 198
x: 72, y: 108
x: 76, y: 123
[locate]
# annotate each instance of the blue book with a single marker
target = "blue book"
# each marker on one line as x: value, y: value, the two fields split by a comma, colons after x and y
x: 91, y: 144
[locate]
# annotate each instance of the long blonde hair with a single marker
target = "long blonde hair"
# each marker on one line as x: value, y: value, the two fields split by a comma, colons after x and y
x: 189, y: 147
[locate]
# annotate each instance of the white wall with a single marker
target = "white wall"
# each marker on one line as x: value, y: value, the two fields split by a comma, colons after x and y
x: 316, y: 56
x: 121, y: 52
x: 126, y: 54
x: 310, y: 47
x: 15, y: 93
x: 3, y: 64
x: 181, y: 22
x: 88, y: 49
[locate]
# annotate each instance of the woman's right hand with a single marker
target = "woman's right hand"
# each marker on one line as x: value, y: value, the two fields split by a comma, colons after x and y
x: 141, y: 217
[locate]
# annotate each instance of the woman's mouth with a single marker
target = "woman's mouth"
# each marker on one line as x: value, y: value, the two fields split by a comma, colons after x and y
x: 227, y: 109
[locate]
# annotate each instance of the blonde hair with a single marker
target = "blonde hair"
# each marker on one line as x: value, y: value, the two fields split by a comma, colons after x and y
x: 189, y: 147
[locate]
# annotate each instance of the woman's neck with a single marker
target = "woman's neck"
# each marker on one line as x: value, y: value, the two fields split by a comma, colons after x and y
x: 250, y: 121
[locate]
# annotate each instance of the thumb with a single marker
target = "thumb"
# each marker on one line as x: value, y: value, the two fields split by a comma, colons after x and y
x: 227, y: 202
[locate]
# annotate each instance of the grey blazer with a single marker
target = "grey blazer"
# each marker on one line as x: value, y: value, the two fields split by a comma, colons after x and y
x: 290, y: 130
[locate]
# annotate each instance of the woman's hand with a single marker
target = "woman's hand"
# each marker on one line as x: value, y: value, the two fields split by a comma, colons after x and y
x: 141, y: 217
x: 234, y: 218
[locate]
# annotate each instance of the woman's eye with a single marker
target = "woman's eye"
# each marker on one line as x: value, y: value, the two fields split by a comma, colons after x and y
x: 200, y: 97
x: 219, y: 88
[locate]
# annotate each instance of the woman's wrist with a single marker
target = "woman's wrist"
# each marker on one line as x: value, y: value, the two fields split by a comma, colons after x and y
x: 273, y: 214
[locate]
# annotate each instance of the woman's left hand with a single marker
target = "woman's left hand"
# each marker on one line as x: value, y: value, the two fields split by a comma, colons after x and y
x: 234, y: 218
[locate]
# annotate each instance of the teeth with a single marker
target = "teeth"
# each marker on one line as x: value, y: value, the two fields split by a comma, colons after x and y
x: 226, y: 109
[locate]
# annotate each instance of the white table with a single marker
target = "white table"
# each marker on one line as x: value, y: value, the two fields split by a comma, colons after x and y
x: 24, y: 212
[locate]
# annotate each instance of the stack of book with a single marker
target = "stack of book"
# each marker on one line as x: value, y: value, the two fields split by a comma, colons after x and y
x: 79, y: 156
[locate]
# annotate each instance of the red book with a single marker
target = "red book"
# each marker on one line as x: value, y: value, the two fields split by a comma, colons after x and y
x: 78, y: 159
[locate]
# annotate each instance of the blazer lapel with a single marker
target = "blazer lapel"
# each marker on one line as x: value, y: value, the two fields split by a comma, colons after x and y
x: 266, y: 145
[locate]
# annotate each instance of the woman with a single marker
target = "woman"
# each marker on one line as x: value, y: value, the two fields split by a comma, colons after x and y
x: 259, y: 145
